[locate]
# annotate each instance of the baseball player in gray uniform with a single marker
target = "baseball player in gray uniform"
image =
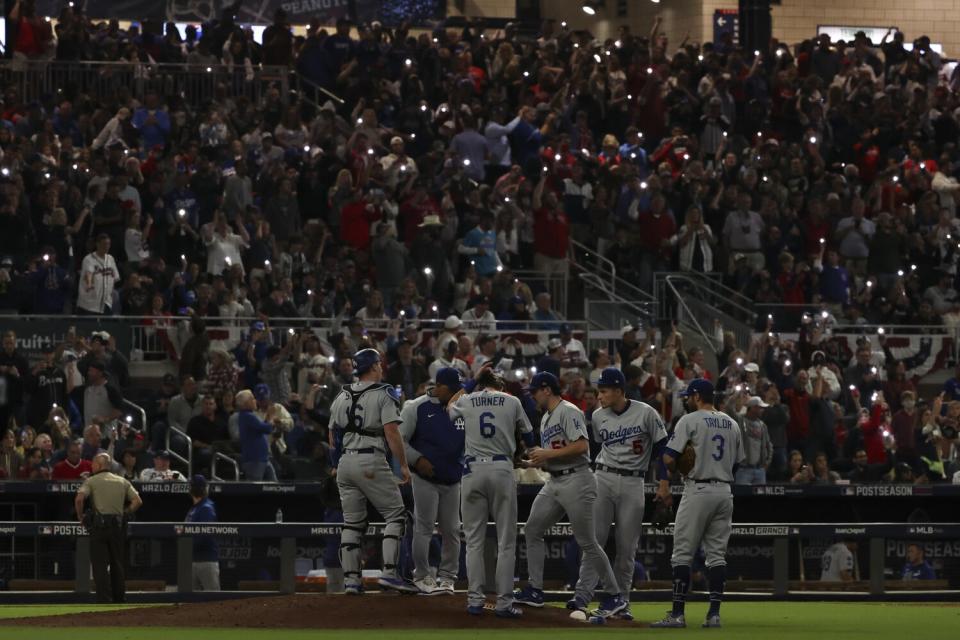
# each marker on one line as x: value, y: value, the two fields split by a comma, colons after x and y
x: 490, y: 419
x: 706, y: 509
x: 434, y: 447
x: 565, y: 454
x: 631, y: 434
x: 363, y: 415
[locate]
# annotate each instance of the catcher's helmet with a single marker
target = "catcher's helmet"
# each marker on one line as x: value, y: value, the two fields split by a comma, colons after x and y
x: 364, y: 359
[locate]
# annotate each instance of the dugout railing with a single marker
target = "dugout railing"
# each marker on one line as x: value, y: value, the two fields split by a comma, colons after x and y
x: 781, y: 536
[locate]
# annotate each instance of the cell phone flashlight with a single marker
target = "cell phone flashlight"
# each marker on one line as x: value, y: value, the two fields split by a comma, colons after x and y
x: 182, y: 212
x: 291, y: 331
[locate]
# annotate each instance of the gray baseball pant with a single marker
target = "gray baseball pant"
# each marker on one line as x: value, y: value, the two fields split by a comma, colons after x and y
x: 704, y: 517
x: 490, y: 489
x: 362, y: 477
x: 574, y: 494
x: 436, y: 503
x: 620, y: 500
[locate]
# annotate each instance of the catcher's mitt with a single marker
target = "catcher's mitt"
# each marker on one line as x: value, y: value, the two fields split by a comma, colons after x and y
x: 687, y: 460
x: 662, y: 515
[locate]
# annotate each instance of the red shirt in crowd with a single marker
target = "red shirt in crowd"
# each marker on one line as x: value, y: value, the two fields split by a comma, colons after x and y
x: 654, y: 230
x: 799, y: 426
x: 355, y: 220
x: 63, y: 470
x: 412, y: 214
x: 551, y: 232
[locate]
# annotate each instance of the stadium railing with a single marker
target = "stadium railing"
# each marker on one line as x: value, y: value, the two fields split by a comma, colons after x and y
x: 781, y: 535
x: 34, y: 79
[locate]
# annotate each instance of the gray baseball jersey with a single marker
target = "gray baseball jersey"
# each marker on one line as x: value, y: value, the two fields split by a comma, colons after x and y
x: 408, y: 423
x: 715, y: 438
x: 560, y: 427
x: 489, y: 419
x: 372, y: 410
x: 628, y: 437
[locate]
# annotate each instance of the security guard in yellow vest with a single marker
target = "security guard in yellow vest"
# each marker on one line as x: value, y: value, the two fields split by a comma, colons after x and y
x: 113, y: 498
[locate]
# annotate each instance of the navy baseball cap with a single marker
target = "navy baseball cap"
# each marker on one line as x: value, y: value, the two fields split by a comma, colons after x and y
x: 565, y: 328
x: 364, y: 359
x: 162, y: 454
x: 612, y: 377
x: 257, y: 325
x: 261, y: 392
x: 450, y: 378
x: 545, y: 380
x: 198, y: 481
x: 699, y: 386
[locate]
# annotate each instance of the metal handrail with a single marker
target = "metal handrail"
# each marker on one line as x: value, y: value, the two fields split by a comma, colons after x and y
x: 310, y: 84
x: 702, y: 288
x: 188, y: 460
x: 601, y: 260
x: 693, y: 318
x: 141, y: 413
x: 225, y: 458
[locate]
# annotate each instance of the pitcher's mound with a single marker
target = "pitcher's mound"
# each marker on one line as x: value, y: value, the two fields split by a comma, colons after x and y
x: 370, y: 611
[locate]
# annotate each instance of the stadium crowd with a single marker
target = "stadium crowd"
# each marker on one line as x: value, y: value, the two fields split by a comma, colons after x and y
x: 819, y: 175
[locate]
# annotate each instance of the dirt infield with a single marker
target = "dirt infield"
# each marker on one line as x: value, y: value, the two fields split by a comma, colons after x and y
x: 371, y: 611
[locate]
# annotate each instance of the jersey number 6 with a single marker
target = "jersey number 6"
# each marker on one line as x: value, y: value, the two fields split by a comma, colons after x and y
x: 487, y: 429
x: 720, y: 444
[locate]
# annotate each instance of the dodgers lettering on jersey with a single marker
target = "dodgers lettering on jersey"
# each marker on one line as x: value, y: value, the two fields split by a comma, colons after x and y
x: 715, y: 438
x: 628, y: 437
x: 375, y: 407
x: 489, y: 419
x: 560, y: 427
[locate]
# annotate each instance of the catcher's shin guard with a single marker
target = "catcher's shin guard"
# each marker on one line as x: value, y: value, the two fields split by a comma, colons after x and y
x: 350, y: 539
x: 392, y: 535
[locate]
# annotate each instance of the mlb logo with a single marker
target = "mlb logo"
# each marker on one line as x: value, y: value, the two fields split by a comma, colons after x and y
x: 46, y: 530
x: 178, y: 529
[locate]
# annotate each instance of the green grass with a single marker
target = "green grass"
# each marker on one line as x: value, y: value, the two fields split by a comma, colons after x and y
x: 742, y: 620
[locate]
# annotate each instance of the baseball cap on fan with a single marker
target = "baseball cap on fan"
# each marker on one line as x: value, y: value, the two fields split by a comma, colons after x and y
x: 757, y: 401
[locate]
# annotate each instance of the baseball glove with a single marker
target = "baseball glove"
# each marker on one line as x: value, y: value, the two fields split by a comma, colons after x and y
x: 662, y: 515
x: 687, y: 460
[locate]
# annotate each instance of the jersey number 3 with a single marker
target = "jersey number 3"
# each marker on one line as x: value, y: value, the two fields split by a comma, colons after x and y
x: 487, y: 428
x: 718, y: 455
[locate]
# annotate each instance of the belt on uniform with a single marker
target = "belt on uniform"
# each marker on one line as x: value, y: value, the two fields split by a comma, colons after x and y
x: 471, y: 459
x: 566, y: 472
x: 710, y: 481
x: 364, y: 450
x: 619, y: 472
x: 496, y: 458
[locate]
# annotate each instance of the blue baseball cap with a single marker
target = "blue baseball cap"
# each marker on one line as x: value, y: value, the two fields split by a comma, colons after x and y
x: 450, y: 378
x: 257, y: 325
x: 261, y: 392
x: 364, y: 360
x: 545, y: 380
x: 700, y: 386
x: 612, y: 377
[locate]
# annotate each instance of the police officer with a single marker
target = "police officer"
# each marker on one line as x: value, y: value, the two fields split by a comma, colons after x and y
x: 112, y: 498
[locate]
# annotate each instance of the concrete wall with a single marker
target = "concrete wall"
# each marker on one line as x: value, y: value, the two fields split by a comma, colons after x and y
x: 795, y: 20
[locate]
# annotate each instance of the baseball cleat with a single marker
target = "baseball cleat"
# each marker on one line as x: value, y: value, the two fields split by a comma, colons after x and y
x: 575, y: 605
x: 529, y: 597
x: 511, y: 612
x: 597, y: 620
x: 353, y: 590
x: 427, y: 587
x: 624, y: 615
x: 475, y: 610
x: 670, y: 621
x: 712, y: 622
x: 445, y: 586
x: 611, y: 606
x: 397, y: 584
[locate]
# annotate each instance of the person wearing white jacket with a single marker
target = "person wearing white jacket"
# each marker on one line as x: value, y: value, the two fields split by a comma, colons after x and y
x: 112, y: 132
x: 696, y: 242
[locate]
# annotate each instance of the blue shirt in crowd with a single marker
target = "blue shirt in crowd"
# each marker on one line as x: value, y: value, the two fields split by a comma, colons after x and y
x: 254, y: 445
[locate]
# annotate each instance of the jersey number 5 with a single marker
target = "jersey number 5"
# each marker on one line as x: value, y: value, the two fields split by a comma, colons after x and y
x: 720, y: 444
x: 487, y: 429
